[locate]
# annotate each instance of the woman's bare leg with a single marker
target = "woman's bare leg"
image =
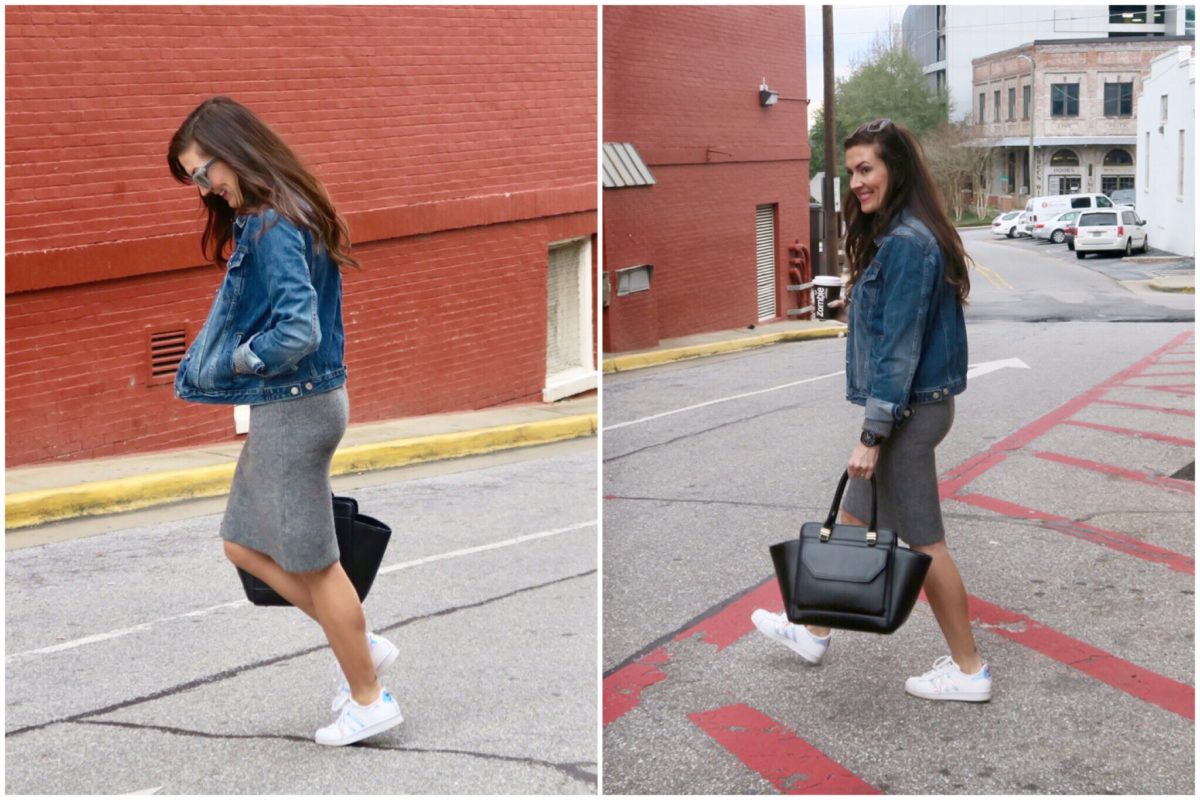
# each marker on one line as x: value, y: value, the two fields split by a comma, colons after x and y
x: 948, y: 598
x: 337, y: 608
x: 289, y: 586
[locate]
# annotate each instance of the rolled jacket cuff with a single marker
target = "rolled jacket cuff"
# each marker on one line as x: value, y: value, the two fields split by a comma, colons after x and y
x: 245, y: 362
x: 881, y: 416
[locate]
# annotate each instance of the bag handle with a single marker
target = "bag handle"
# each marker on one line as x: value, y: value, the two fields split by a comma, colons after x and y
x: 872, y: 529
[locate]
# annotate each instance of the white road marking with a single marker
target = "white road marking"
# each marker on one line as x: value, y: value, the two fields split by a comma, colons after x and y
x: 992, y: 366
x: 722, y: 400
x: 116, y: 634
x: 151, y: 790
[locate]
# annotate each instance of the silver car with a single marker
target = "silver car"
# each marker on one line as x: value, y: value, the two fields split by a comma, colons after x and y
x: 1054, y: 228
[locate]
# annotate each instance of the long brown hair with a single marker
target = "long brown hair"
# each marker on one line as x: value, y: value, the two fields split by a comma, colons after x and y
x: 910, y: 186
x: 269, y: 175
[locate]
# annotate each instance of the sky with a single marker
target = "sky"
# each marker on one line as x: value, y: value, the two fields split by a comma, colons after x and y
x: 855, y: 28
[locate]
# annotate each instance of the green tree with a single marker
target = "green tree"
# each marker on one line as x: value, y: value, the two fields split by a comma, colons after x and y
x: 890, y: 83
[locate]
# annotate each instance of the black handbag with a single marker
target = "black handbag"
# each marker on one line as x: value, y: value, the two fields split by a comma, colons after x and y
x: 362, y: 541
x: 847, y: 576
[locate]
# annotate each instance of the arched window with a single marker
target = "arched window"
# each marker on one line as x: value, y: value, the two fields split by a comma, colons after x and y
x: 1118, y: 158
x: 1064, y: 158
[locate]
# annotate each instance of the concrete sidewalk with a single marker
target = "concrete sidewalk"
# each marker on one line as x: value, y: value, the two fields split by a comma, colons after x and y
x: 718, y: 342
x: 48, y: 493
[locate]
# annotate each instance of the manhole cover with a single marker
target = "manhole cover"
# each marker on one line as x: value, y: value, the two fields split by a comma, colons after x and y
x: 1188, y: 473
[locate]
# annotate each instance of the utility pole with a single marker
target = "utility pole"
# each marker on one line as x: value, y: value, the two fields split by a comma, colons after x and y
x: 828, y: 200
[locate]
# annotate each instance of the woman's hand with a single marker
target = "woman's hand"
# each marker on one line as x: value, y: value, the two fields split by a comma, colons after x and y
x: 862, y: 461
x: 841, y: 313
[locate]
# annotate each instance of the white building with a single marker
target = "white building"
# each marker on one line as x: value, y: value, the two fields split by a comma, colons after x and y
x: 1166, y: 132
x: 946, y: 38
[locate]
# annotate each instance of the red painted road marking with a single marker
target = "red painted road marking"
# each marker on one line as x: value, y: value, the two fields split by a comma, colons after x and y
x: 733, y: 621
x: 1188, y: 374
x: 1162, y: 482
x: 1158, y: 437
x: 623, y: 689
x: 792, y: 765
x: 1168, y: 389
x: 1176, y: 697
x: 1183, y: 412
x: 1120, y: 542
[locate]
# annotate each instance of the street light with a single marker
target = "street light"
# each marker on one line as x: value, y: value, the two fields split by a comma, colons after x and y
x: 1032, y: 91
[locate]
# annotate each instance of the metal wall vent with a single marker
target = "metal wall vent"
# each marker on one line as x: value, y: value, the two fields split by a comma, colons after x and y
x: 623, y: 166
x: 166, y: 351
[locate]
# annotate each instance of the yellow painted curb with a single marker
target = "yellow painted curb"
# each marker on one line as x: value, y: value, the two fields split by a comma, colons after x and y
x: 25, y: 509
x: 651, y: 359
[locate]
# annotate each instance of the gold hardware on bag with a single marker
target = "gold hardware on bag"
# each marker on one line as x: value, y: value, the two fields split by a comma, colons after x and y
x: 825, y: 534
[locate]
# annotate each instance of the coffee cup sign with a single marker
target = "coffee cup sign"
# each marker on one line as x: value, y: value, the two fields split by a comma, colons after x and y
x: 826, y: 289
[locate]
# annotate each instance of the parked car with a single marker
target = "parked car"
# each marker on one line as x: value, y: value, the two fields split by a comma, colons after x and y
x: 1005, y: 224
x: 1022, y: 228
x: 1041, y: 209
x: 1055, y: 229
x: 1124, y: 197
x: 1119, y: 230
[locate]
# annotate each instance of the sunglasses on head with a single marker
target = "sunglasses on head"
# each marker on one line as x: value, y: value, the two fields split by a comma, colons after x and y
x: 200, y: 176
x: 874, y: 127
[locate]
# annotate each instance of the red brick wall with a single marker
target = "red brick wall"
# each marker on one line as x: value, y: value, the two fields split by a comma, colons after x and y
x: 458, y: 141
x: 681, y: 84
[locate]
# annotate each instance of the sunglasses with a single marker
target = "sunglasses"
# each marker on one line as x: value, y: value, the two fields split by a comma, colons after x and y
x: 874, y: 127
x: 200, y: 176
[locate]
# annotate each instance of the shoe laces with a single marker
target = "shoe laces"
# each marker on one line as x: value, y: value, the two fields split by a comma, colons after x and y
x: 941, y: 668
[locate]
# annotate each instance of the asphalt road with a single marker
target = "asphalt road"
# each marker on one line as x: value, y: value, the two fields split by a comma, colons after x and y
x: 1075, y: 543
x: 134, y: 665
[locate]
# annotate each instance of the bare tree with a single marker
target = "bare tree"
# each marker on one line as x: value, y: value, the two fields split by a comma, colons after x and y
x: 959, y: 161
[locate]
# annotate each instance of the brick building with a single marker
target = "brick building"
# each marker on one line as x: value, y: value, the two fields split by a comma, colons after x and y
x: 459, y: 142
x: 698, y: 239
x: 1083, y: 109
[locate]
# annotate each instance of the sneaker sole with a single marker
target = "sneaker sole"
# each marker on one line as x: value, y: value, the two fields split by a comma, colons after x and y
x: 965, y: 697
x: 793, y: 646
x: 367, y: 732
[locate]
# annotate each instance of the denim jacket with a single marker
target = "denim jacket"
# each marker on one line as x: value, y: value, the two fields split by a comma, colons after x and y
x: 274, y: 331
x: 907, y: 341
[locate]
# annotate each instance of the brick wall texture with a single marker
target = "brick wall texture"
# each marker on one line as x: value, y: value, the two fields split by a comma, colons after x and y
x: 681, y: 84
x: 459, y: 142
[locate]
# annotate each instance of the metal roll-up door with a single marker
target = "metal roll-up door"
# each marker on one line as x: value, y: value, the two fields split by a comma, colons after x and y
x: 764, y: 227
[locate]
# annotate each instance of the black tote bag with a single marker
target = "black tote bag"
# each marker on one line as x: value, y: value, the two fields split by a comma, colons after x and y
x: 362, y: 541
x: 848, y: 576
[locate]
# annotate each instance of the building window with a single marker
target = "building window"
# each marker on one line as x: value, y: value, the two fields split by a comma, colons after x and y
x: 1110, y: 183
x: 1064, y: 158
x: 1012, y: 172
x: 1118, y: 99
x: 1159, y: 12
x: 982, y: 108
x: 1027, y: 92
x: 996, y: 103
x: 1189, y: 21
x: 1162, y: 117
x: 1118, y: 158
x: 1182, y: 165
x: 1064, y: 100
x: 1127, y: 15
x: 1012, y: 104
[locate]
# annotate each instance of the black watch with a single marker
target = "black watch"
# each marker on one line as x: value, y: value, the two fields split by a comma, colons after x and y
x: 871, y: 439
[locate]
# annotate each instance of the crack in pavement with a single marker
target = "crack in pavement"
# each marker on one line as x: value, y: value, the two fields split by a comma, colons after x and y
x: 789, y: 407
x: 235, y: 671
x: 573, y: 769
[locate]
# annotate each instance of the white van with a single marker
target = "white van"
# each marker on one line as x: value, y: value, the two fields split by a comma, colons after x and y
x: 1043, y: 209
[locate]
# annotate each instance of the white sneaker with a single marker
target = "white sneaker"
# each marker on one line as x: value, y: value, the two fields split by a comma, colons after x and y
x: 947, y: 682
x: 383, y: 655
x: 797, y: 637
x: 355, y: 722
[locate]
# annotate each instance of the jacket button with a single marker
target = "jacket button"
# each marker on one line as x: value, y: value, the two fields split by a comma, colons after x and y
x: 295, y: 390
x: 308, y: 386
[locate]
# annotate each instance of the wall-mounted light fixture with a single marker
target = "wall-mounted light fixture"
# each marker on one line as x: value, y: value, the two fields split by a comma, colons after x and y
x: 766, y: 97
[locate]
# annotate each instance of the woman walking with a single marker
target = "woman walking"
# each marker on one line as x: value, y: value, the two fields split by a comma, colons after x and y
x: 906, y: 359
x: 274, y: 340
